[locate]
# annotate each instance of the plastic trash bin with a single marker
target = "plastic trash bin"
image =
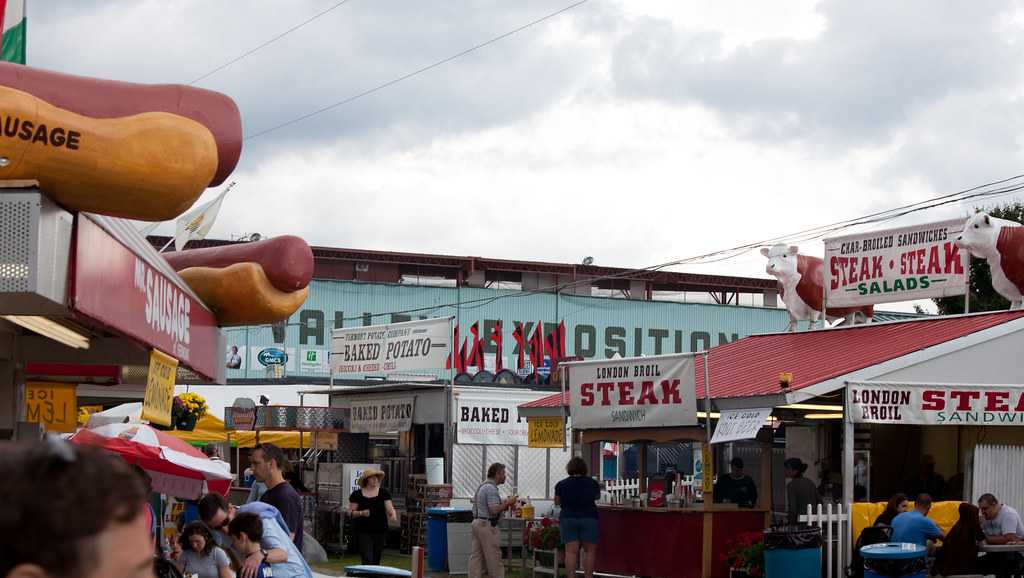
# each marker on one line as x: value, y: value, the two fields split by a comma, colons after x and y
x: 894, y: 559
x: 792, y: 552
x: 367, y: 571
x: 460, y: 539
x: 437, y: 534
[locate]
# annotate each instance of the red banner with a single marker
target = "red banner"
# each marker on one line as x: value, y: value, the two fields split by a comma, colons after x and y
x: 123, y: 291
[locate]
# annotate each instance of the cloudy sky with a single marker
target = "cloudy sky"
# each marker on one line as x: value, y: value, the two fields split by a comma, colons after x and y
x: 636, y: 132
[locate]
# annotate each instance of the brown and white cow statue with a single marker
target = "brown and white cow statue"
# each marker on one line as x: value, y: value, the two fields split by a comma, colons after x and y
x: 1001, y: 243
x: 801, y: 285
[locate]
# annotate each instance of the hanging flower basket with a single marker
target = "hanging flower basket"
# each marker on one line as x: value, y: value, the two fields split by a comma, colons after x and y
x: 186, y: 411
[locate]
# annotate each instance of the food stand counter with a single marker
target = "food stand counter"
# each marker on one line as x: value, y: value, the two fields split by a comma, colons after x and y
x: 671, y: 542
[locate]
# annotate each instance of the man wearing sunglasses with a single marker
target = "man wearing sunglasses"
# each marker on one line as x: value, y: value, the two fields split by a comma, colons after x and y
x: 71, y: 511
x: 277, y: 548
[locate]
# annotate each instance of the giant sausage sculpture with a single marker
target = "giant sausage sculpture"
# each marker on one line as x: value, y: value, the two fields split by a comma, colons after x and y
x: 249, y: 283
x: 801, y: 285
x: 143, y: 152
x: 1001, y: 243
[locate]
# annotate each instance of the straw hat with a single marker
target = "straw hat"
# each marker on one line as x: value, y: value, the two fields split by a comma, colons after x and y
x: 370, y: 473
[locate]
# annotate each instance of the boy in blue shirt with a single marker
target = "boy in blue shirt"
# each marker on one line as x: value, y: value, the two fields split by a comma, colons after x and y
x: 915, y: 527
x: 246, y: 531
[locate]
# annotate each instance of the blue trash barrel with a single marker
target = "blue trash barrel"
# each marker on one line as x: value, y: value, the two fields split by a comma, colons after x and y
x: 894, y: 559
x: 437, y: 538
x: 792, y: 552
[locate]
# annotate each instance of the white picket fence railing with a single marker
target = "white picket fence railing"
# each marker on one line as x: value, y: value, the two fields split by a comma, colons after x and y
x: 622, y: 489
x: 835, y: 536
x: 627, y: 488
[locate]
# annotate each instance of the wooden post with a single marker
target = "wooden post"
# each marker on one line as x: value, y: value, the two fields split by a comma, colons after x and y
x: 767, y: 493
x: 707, y: 543
x: 642, y: 462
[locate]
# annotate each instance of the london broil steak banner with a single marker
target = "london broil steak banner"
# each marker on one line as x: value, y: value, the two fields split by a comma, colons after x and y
x: 918, y: 262
x: 926, y: 404
x: 657, y: 391
x: 407, y: 346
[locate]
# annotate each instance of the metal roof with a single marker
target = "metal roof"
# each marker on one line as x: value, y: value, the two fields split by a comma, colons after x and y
x: 547, y: 401
x: 459, y: 267
x: 751, y: 366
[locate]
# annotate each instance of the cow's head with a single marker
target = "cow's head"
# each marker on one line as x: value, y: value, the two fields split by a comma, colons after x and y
x: 781, y: 261
x: 980, y: 234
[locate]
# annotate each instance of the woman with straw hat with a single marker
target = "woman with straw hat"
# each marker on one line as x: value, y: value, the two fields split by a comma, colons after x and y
x: 370, y: 508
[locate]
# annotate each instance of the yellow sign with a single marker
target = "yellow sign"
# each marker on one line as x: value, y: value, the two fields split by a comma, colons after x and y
x: 159, y: 388
x: 709, y: 469
x: 52, y: 404
x: 546, y: 432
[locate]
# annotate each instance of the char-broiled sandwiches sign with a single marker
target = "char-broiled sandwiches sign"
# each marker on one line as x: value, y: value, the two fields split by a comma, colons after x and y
x: 634, y: 392
x: 408, y: 346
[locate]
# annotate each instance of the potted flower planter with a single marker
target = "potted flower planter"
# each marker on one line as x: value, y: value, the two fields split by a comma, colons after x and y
x: 186, y: 422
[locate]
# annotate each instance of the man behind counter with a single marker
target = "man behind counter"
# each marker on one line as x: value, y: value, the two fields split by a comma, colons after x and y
x: 737, y: 487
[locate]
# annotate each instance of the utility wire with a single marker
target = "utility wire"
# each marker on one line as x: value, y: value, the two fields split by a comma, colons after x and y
x: 726, y: 254
x: 413, y: 73
x: 268, y: 42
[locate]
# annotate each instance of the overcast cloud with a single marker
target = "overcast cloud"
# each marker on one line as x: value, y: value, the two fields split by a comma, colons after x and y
x: 636, y: 132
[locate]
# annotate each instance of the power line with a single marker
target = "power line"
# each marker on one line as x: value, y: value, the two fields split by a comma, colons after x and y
x: 268, y: 42
x: 414, y: 73
x: 733, y: 252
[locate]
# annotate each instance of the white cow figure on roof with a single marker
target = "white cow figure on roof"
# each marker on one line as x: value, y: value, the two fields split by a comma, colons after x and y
x: 801, y: 284
x: 1001, y: 243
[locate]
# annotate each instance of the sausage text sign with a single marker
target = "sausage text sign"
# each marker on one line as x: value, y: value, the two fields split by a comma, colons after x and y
x: 926, y: 404
x: 657, y: 391
x: 408, y: 346
x: 378, y: 416
x: 915, y: 262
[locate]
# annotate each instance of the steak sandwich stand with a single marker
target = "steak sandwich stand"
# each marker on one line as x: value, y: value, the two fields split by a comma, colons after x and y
x: 653, y: 400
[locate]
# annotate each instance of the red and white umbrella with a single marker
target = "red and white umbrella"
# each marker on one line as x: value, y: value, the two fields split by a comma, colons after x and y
x: 176, y: 468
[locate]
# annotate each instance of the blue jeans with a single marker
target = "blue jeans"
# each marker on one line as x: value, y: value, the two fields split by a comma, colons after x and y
x: 578, y: 530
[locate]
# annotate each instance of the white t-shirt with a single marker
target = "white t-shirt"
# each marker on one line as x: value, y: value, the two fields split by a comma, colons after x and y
x: 1007, y: 521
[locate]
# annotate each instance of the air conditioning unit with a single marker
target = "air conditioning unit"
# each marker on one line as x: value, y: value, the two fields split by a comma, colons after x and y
x: 35, y: 249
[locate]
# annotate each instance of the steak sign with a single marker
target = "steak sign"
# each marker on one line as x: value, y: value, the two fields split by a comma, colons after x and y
x: 635, y: 392
x: 927, y: 404
x: 902, y: 264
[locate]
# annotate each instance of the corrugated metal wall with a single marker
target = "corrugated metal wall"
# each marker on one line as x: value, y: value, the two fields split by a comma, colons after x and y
x: 595, y: 326
x: 997, y: 471
x: 532, y: 471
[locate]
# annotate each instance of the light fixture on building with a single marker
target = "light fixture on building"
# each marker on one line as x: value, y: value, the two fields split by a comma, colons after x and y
x: 588, y: 260
x: 785, y: 378
x: 824, y: 416
x: 255, y: 236
x: 52, y: 329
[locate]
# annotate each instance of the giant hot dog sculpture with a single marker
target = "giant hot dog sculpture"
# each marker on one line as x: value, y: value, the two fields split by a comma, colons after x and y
x: 127, y: 150
x: 249, y: 283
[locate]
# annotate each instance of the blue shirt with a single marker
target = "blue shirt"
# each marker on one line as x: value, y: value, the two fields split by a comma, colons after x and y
x: 914, y: 528
x: 577, y: 496
x: 275, y: 535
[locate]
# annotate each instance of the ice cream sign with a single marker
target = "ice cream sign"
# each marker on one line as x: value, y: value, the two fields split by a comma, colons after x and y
x: 917, y: 262
x: 927, y: 404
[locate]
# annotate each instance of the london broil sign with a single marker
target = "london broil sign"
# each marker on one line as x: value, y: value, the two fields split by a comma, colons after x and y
x: 926, y: 404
